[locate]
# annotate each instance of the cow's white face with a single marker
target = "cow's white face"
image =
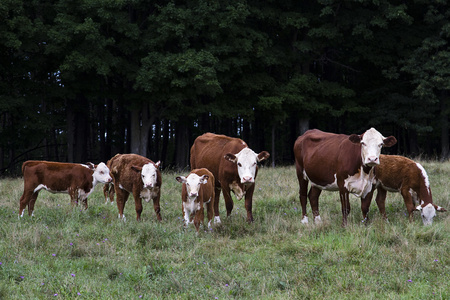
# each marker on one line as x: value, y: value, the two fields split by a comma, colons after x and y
x: 101, y: 173
x: 193, y: 183
x: 428, y: 212
x: 149, y: 175
x: 246, y: 161
x: 371, y: 143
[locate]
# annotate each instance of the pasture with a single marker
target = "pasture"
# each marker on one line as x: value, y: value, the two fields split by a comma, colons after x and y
x: 68, y: 253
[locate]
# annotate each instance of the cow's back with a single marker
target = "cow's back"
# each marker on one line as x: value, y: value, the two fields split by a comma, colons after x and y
x: 57, y: 175
x: 209, y: 149
x: 322, y: 154
x: 395, y: 171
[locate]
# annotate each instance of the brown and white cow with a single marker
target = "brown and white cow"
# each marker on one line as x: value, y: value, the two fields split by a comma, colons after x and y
x: 336, y: 162
x: 139, y: 176
x: 400, y: 174
x: 197, y: 191
x: 77, y: 180
x: 234, y: 166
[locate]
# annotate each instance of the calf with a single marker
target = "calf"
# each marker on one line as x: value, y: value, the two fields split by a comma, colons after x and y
x: 336, y: 162
x: 234, y: 166
x: 138, y: 175
x: 400, y: 174
x: 197, y: 191
x: 77, y: 180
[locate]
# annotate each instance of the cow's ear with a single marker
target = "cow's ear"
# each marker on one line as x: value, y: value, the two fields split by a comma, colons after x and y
x: 136, y: 168
x: 441, y: 209
x: 354, y: 138
x: 419, y: 208
x: 181, y: 179
x: 157, y: 164
x: 263, y: 155
x: 204, y: 179
x: 91, y: 165
x: 389, y: 141
x: 231, y: 157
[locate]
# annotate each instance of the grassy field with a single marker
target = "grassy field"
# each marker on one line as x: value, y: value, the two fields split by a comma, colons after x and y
x: 63, y: 252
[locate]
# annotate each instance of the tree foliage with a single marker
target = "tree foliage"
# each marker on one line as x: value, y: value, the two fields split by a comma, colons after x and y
x: 85, y: 79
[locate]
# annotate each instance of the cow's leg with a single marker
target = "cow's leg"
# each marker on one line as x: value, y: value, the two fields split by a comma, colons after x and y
x: 313, y: 196
x: 108, y: 192
x: 156, y: 207
x: 365, y: 205
x: 228, y: 200
x: 249, y: 202
x: 407, y: 198
x: 381, y: 201
x: 138, y: 205
x: 32, y: 202
x: 303, y: 192
x: 122, y: 197
x: 84, y: 201
x: 199, y: 217
x: 216, y: 205
x: 210, y: 212
x: 345, y: 205
x: 24, y: 201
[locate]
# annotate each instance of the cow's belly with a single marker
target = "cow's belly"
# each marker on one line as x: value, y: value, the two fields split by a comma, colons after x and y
x: 333, y: 186
x: 51, y: 190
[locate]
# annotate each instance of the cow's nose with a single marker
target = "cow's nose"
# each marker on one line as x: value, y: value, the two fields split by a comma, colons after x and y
x: 247, y: 179
x: 373, y: 160
x: 148, y: 186
x: 193, y: 195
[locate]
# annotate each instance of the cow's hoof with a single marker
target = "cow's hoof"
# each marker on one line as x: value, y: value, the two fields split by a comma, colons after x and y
x: 304, y: 220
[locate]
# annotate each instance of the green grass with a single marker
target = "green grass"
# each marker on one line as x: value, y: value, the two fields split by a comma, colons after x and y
x: 66, y: 253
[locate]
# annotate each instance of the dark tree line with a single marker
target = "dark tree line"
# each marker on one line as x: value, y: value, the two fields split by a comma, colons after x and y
x: 82, y: 80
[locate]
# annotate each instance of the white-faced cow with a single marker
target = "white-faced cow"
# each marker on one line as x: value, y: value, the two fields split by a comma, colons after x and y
x: 197, y: 192
x: 336, y: 162
x: 139, y: 176
x: 234, y: 166
x: 400, y: 174
x: 77, y: 180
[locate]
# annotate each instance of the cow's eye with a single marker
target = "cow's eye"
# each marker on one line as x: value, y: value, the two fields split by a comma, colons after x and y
x: 363, y: 144
x: 380, y: 145
x: 239, y: 165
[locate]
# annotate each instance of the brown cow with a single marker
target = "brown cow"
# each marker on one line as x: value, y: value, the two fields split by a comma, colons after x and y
x: 400, y: 174
x: 138, y: 175
x: 234, y: 166
x: 77, y: 180
x: 197, y: 191
x: 336, y: 162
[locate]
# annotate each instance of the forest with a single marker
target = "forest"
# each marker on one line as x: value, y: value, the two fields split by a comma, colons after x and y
x: 82, y: 80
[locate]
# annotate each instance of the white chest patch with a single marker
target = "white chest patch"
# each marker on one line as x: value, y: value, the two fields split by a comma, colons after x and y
x: 360, y: 184
x: 148, y: 194
x: 234, y: 186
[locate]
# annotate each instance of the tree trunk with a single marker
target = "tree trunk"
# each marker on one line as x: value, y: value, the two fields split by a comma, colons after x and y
x: 303, y: 125
x: 141, y: 122
x: 182, y: 145
x: 272, y: 154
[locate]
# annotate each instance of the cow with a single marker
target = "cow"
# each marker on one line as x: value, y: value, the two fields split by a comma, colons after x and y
x: 400, y: 174
x: 138, y: 175
x: 336, y: 162
x: 234, y: 166
x: 197, y: 191
x: 77, y: 180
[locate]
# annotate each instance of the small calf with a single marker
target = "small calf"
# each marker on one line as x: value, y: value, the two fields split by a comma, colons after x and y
x: 197, y: 191
x: 77, y: 180
x: 137, y: 175
x: 400, y: 174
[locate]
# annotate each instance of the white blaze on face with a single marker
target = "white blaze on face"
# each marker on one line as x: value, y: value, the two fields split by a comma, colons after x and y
x: 193, y: 183
x: 149, y: 175
x: 371, y: 144
x: 246, y: 161
x: 101, y: 173
x: 428, y: 212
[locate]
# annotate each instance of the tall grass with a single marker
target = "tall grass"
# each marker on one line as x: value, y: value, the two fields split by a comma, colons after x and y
x: 64, y: 252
